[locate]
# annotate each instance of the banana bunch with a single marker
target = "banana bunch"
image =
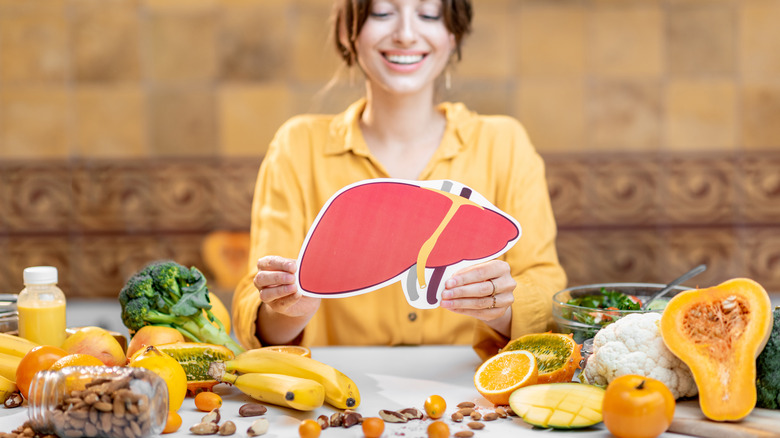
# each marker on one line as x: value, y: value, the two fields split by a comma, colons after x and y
x: 12, y: 350
x: 268, y: 375
x: 7, y: 387
x: 279, y: 389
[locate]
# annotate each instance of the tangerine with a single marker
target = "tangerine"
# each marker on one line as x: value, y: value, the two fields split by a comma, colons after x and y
x: 309, y: 429
x: 292, y: 349
x: 435, y: 406
x: 76, y: 359
x: 498, y: 377
x: 173, y: 423
x: 373, y: 427
x: 207, y: 401
x: 37, y: 359
x: 438, y: 429
x: 635, y: 406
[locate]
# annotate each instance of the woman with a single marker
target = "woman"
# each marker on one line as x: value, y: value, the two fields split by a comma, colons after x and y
x: 402, y: 47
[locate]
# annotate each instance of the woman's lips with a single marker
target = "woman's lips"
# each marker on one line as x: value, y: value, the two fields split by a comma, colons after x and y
x: 403, y: 62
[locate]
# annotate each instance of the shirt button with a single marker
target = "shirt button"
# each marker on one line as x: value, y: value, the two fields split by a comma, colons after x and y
x: 412, y: 316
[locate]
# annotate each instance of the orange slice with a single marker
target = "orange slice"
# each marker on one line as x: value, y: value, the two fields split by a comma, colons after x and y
x: 76, y: 359
x: 292, y: 349
x: 505, y: 372
x: 557, y: 355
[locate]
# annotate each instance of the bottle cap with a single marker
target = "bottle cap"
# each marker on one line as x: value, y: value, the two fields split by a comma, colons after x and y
x: 40, y: 275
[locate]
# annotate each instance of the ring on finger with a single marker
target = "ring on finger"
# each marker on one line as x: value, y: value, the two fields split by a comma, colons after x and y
x: 492, y: 294
x: 493, y: 306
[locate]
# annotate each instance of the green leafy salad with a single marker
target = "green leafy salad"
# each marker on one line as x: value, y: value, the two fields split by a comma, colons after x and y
x: 609, y: 299
x: 608, y: 302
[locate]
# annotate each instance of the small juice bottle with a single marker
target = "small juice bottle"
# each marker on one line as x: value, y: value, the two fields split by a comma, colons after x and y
x: 41, y: 307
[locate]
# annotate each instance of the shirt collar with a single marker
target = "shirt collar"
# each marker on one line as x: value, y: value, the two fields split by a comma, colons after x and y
x: 345, y: 132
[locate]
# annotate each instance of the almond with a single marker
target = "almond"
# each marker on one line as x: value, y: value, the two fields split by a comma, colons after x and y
x: 476, y: 425
x: 466, y: 411
x: 490, y: 416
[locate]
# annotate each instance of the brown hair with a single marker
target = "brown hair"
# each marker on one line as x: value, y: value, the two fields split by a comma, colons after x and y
x: 349, y: 16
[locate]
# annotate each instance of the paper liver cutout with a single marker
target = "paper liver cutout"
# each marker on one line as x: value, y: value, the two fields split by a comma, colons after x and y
x: 376, y: 232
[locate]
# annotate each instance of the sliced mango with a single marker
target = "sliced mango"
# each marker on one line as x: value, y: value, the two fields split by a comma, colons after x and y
x: 559, y: 405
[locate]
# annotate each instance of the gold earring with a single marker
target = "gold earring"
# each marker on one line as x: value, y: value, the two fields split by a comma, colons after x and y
x: 447, y: 79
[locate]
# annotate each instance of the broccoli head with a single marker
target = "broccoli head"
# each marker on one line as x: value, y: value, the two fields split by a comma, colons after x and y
x: 768, y: 369
x: 165, y: 293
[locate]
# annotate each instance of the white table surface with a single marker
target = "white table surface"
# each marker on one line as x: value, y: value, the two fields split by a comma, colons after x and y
x: 388, y: 378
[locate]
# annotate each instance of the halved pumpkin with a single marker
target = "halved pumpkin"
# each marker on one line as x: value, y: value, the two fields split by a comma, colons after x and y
x: 718, y: 332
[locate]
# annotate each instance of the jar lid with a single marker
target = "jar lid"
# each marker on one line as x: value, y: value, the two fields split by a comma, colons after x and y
x: 40, y: 275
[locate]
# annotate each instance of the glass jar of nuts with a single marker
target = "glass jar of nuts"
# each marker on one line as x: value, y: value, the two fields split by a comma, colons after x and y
x: 81, y: 401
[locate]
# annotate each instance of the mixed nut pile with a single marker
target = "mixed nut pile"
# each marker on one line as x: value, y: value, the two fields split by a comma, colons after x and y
x: 467, y: 411
x: 209, y: 424
x: 106, y: 407
x: 116, y: 406
x: 94, y: 402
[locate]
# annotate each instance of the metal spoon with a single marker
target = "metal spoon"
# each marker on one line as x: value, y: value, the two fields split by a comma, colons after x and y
x: 687, y: 276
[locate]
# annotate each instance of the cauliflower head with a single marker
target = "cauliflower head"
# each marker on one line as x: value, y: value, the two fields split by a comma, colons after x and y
x: 633, y: 345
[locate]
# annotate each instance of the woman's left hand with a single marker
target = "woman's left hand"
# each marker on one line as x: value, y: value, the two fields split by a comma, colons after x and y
x: 484, y: 291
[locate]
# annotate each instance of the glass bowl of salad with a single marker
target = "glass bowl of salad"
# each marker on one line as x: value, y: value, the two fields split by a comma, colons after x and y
x: 584, y: 310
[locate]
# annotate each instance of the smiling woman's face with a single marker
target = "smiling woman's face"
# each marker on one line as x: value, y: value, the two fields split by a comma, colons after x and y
x: 404, y: 44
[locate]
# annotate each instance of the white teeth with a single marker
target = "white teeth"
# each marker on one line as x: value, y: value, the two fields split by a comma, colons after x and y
x: 404, y: 59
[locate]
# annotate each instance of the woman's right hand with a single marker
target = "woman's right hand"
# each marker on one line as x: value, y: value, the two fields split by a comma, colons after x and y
x: 275, y: 279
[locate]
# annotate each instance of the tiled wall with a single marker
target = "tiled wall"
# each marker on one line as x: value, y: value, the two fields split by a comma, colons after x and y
x: 130, y: 128
x: 630, y: 217
x: 141, y: 78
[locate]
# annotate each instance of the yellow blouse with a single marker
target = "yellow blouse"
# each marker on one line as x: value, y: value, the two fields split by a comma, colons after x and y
x: 313, y: 156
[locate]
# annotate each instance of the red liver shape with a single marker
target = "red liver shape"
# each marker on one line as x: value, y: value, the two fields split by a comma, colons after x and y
x: 372, y: 233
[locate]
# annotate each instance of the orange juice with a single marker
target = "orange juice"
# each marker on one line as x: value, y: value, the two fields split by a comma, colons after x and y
x: 43, y: 322
x: 41, y: 307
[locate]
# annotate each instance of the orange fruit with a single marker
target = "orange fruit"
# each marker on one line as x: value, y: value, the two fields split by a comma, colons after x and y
x: 173, y: 423
x: 37, y: 359
x: 207, y: 401
x: 309, y: 429
x: 505, y: 372
x: 438, y: 429
x: 435, y: 406
x: 76, y: 359
x: 168, y: 368
x: 557, y: 355
x: 292, y: 349
x: 373, y: 427
x: 637, y: 407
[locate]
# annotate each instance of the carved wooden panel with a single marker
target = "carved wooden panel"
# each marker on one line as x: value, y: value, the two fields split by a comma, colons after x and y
x: 633, y: 217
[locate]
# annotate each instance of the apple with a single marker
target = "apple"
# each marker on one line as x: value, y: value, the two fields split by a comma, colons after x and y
x: 153, y: 335
x: 98, y: 342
